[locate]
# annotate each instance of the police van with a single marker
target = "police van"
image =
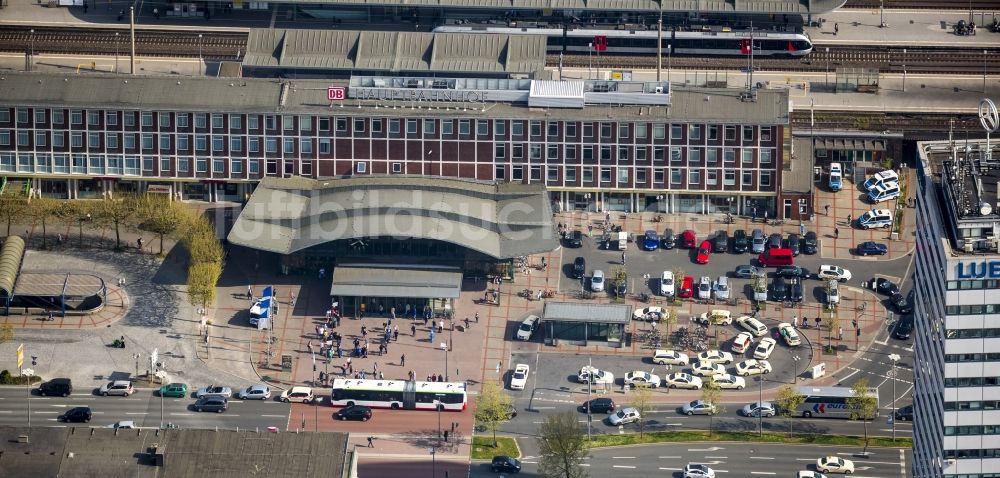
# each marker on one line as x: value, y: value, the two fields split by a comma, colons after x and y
x: 875, y: 218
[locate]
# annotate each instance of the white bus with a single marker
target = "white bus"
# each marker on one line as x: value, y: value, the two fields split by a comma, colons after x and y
x: 829, y: 402
x: 399, y: 394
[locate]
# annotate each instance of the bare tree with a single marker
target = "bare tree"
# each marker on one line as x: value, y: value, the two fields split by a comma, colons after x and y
x: 563, y: 447
x: 711, y: 393
x: 863, y: 404
x: 642, y: 402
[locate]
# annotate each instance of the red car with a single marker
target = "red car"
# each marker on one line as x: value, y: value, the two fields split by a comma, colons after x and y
x: 689, y: 239
x: 687, y: 288
x: 704, y: 251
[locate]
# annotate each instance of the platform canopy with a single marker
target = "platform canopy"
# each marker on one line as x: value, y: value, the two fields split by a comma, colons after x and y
x: 374, y: 281
x: 500, y: 220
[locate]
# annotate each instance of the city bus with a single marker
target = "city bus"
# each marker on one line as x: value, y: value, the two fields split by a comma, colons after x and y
x: 829, y: 402
x: 399, y: 394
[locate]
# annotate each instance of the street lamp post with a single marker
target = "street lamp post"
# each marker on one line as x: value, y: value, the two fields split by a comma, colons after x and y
x: 116, y: 53
x: 984, y: 70
x: 83, y: 218
x: 26, y: 374
x: 433, y: 452
x: 438, y: 405
x: 826, y: 77
x: 760, y: 408
x: 881, y: 10
x: 904, y: 70
x: 444, y: 347
x: 31, y: 55
x: 894, y: 358
x: 136, y: 357
x: 200, y: 59
x: 590, y: 380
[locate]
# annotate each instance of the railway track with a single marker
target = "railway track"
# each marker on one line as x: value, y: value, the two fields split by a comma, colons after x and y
x: 894, y: 60
x: 913, y: 126
x: 927, y: 4
x: 109, y: 41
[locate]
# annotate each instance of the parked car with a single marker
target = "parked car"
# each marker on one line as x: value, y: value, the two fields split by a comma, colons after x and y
x: 650, y: 241
x: 715, y: 316
x: 832, y: 292
x: 884, y: 192
x: 297, y: 394
x: 875, y: 218
x: 705, y: 288
x: 792, y: 271
x: 810, y: 243
x: 704, y: 253
x: 886, y: 287
x: 905, y: 414
x: 597, y: 281
x: 598, y: 405
x: 871, y: 248
x: 670, y: 357
x: 779, y: 290
x: 683, y: 380
x: 354, y: 412
x: 757, y: 242
x: 753, y: 367
x: 774, y: 241
x: 211, y: 403
x: 755, y: 409
x: 624, y: 416
x: 579, y: 267
x: 594, y: 375
x: 721, y: 288
x: 689, y: 239
x: 77, y: 415
x: 833, y: 272
x: 795, y: 290
x: 214, y: 390
x: 794, y: 244
x: 883, y: 177
x: 698, y: 407
x: 505, y: 464
x: 707, y: 369
x: 519, y: 378
x: 575, y: 238
x: 741, y: 243
x: 667, y: 284
x: 255, y: 392
x: 901, y: 304
x: 742, y: 342
x: 790, y: 335
x: 669, y: 239
x: 117, y: 387
x: 59, y: 387
x: 638, y: 378
x: 728, y: 381
x: 687, y: 288
x: 176, y: 390
x: 904, y: 327
x: 836, y: 177
x: 746, y: 271
x: 752, y: 325
x: 764, y: 348
x: 720, y: 243
x: 527, y: 327
x: 621, y: 287
x: 716, y: 356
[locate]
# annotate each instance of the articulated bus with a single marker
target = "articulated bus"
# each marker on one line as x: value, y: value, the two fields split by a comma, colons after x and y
x: 399, y: 394
x: 829, y: 402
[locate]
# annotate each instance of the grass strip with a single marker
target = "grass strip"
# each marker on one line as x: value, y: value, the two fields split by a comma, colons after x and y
x: 482, y: 447
x: 600, y: 441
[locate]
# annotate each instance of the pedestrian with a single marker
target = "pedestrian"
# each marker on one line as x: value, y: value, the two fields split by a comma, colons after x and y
x: 156, y: 13
x: 441, y: 326
x: 836, y: 29
x: 402, y: 360
x: 310, y: 346
x: 840, y: 332
x: 395, y: 333
x: 139, y: 242
x: 466, y: 323
x: 623, y: 258
x: 431, y: 340
x: 392, y: 313
x: 375, y: 367
x: 836, y: 233
x: 446, y: 435
x: 795, y: 321
x: 381, y: 376
x: 413, y: 330
x: 477, y: 317
x: 322, y: 272
x: 370, y: 439
x: 827, y: 209
x: 849, y: 217
x: 250, y: 292
x: 85, y: 7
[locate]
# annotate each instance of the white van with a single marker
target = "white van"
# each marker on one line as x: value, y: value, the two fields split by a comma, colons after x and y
x: 884, y: 177
x: 883, y: 192
x: 836, y: 177
x: 832, y: 292
x: 622, y: 241
x: 875, y: 218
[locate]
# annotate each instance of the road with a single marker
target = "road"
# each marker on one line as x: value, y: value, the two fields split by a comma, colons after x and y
x: 727, y: 459
x: 144, y: 407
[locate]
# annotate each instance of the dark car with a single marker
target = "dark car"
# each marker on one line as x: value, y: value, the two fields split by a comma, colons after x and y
x: 779, y: 290
x: 740, y: 241
x: 211, y: 403
x: 905, y: 414
x: 77, y: 415
x: 792, y: 271
x: 904, y: 328
x: 61, y: 387
x: 574, y: 238
x: 669, y: 239
x: 794, y: 244
x: 689, y: 239
x: 650, y: 241
x: 599, y: 405
x: 810, y: 243
x: 900, y: 303
x: 872, y: 248
x: 746, y: 271
x: 505, y: 464
x: 354, y: 412
x: 579, y: 268
x: 886, y: 286
x: 720, y: 243
x: 621, y: 288
x: 774, y: 241
x: 795, y: 290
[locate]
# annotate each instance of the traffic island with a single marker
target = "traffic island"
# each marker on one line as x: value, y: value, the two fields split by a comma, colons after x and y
x: 601, y: 441
x: 483, y: 449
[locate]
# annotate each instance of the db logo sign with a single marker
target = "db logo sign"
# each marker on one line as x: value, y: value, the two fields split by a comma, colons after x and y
x: 336, y: 93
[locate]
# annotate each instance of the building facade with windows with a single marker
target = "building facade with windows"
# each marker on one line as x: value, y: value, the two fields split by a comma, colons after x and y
x: 594, y: 145
x: 956, y: 393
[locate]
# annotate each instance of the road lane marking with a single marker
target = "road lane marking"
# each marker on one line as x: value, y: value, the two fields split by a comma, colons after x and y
x: 623, y: 457
x: 181, y: 414
x: 670, y: 469
x: 763, y: 473
x: 6, y: 411
x: 761, y: 457
x: 623, y: 466
x: 135, y: 413
x: 273, y: 416
x: 670, y: 457
x: 46, y: 413
x: 717, y: 457
x: 59, y: 406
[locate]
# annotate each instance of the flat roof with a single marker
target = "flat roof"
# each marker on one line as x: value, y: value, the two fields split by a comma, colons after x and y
x: 395, y: 281
x: 265, y: 95
x: 705, y: 6
x: 395, y: 51
x: 583, y: 312
x: 54, y: 284
x: 501, y: 220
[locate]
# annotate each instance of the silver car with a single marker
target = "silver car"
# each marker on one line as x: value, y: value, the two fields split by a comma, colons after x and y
x: 698, y: 407
x: 757, y: 241
x: 765, y: 409
x: 255, y: 392
x: 217, y: 390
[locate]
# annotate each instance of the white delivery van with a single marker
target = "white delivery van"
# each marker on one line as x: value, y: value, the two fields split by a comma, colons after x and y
x: 622, y: 241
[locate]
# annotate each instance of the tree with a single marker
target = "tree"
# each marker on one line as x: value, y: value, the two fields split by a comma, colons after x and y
x: 13, y: 207
x: 202, y: 278
x: 118, y: 213
x: 493, y: 408
x: 830, y: 326
x: 41, y: 209
x: 863, y: 404
x: 787, y: 402
x: 160, y: 216
x: 711, y: 393
x: 563, y: 447
x: 668, y: 317
x: 642, y: 402
x: 6, y: 333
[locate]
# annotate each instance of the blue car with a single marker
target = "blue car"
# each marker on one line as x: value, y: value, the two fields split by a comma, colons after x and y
x: 872, y: 248
x: 650, y: 241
